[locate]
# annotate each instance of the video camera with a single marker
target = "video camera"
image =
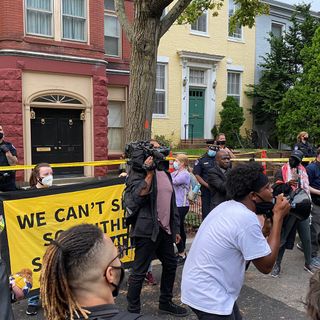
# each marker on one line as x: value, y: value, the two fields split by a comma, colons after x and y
x: 213, y: 145
x: 300, y: 204
x: 137, y: 152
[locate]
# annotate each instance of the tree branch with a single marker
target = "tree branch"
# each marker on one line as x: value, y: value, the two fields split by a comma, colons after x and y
x: 173, y: 15
x: 123, y: 19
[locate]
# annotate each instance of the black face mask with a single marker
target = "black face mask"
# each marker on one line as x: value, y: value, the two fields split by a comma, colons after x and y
x: 293, y: 162
x: 1, y: 135
x: 306, y: 139
x: 264, y: 207
x: 115, y: 292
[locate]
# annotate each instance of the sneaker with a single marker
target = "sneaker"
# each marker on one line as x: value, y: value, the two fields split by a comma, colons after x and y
x: 181, y: 259
x: 32, y: 310
x: 150, y: 279
x: 309, y: 268
x: 275, y: 270
x: 315, y: 262
x: 299, y: 246
x: 174, y: 309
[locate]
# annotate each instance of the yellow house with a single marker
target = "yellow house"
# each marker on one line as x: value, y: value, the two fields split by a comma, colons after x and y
x: 199, y: 65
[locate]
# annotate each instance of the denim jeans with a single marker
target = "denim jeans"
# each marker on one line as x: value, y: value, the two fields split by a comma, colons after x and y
x: 145, y: 249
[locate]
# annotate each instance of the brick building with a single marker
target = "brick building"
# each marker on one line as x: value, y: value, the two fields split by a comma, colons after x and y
x: 57, y: 60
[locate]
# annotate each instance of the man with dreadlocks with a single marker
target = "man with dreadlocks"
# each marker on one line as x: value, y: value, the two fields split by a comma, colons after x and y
x: 71, y: 288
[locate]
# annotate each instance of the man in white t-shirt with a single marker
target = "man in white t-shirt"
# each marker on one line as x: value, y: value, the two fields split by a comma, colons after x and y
x: 230, y: 236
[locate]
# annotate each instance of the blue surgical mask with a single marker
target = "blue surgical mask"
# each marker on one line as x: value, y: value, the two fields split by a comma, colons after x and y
x: 176, y: 165
x: 211, y: 153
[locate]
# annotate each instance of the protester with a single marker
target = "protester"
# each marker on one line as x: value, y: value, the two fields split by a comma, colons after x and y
x: 154, y: 231
x: 313, y: 297
x: 200, y: 170
x: 221, y: 142
x: 71, y: 288
x: 313, y: 171
x: 41, y: 177
x: 8, y: 157
x: 181, y: 186
x: 303, y: 145
x: 291, y: 176
x: 231, y: 234
x: 217, y: 178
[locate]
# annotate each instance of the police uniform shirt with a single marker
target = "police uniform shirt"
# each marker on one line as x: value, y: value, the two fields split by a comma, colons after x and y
x: 3, y: 159
x: 203, y: 165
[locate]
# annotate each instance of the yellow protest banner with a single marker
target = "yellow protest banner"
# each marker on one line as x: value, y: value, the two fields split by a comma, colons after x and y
x: 36, y: 218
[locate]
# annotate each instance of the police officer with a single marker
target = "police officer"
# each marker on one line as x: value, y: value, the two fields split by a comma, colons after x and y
x: 8, y: 157
x: 200, y: 170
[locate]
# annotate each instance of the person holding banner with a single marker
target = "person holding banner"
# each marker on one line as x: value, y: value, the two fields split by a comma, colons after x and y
x: 41, y: 177
x: 8, y: 157
x: 71, y: 288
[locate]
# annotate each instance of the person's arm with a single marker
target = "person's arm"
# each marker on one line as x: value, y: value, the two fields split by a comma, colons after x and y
x: 201, y: 181
x: 10, y: 154
x: 148, y: 179
x: 182, y: 178
x: 229, y: 152
x: 314, y: 191
x: 280, y: 210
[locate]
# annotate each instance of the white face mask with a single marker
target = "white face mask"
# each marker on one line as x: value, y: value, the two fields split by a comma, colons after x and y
x: 47, y: 180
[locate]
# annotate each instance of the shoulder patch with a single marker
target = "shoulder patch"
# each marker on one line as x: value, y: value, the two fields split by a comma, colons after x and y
x: 196, y: 162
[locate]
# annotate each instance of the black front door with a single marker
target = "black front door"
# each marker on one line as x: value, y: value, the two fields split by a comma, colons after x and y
x: 57, y: 137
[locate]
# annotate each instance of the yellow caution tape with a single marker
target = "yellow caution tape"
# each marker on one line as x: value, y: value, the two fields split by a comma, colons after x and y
x: 117, y: 162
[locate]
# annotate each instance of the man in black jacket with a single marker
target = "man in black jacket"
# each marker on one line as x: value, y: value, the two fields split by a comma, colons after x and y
x: 217, y: 178
x: 154, y: 232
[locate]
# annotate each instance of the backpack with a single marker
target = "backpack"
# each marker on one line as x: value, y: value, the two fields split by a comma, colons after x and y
x: 194, y: 188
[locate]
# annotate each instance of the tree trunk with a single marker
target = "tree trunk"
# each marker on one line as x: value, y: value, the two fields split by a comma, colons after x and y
x: 144, y: 48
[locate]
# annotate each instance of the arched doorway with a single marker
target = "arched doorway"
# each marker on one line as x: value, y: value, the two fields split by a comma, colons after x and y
x: 57, y: 132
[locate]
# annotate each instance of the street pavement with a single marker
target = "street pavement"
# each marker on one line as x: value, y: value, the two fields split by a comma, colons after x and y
x: 262, y: 296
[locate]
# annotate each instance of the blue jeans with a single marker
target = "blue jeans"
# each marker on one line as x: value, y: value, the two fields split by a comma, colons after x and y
x: 34, y: 301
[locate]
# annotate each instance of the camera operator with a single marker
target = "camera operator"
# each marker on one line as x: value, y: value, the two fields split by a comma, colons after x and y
x: 231, y: 234
x: 8, y: 157
x: 200, y: 170
x: 221, y: 142
x: 291, y: 176
x: 156, y: 227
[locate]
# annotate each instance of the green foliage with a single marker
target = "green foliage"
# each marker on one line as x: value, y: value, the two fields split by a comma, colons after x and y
x: 231, y: 121
x: 162, y: 140
x: 244, y: 15
x: 214, y: 131
x: 300, y: 109
x: 281, y: 70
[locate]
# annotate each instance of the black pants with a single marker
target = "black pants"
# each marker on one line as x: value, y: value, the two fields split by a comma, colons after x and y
x: 182, y: 244
x: 205, y: 202
x: 145, y: 249
x: 235, y: 315
x: 315, y: 229
x: 5, y: 299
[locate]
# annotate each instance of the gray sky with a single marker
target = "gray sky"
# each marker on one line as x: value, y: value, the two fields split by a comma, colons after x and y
x: 315, y: 3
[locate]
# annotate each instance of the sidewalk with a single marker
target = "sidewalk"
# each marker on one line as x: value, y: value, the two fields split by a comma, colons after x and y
x: 262, y: 297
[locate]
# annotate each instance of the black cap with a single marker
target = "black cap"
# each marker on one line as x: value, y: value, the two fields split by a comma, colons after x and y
x: 210, y: 141
x: 297, y: 154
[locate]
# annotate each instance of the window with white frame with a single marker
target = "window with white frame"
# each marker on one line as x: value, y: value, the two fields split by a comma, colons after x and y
x: 234, y: 85
x: 74, y: 20
x: 159, y: 107
x: 197, y: 77
x: 237, y: 32
x: 39, y: 17
x: 112, y: 30
x: 277, y: 29
x: 116, y: 126
x: 201, y: 25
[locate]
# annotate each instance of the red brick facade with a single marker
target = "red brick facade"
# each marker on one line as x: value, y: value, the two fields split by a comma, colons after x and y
x: 20, y: 53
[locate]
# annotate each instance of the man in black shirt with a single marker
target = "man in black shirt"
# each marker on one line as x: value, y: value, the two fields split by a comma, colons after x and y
x: 81, y: 274
x: 8, y: 157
